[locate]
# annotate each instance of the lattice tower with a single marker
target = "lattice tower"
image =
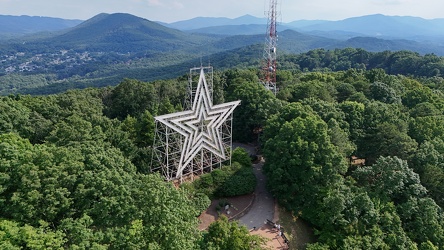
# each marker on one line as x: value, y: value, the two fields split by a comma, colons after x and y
x: 269, y: 61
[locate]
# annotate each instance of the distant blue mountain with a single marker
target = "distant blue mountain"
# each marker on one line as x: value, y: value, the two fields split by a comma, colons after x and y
x: 124, y: 33
x: 242, y: 29
x: 232, y: 30
x: 203, y: 22
x: 304, y: 23
x: 380, y: 26
x: 389, y: 27
x: 21, y: 25
x: 122, y: 45
x: 373, y: 44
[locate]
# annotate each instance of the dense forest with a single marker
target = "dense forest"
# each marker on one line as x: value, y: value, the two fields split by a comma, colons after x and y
x: 74, y: 166
x: 57, y: 72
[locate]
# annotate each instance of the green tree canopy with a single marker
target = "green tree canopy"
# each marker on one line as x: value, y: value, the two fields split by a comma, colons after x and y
x: 257, y: 105
x: 301, y: 161
x: 225, y: 235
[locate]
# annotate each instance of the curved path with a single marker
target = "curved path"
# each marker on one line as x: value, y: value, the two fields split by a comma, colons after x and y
x: 263, y: 204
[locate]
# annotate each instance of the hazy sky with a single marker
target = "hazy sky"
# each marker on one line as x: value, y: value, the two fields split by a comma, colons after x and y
x: 175, y: 10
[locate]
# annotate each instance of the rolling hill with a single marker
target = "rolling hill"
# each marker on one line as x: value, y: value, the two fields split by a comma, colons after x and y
x: 389, y: 27
x: 231, y: 30
x: 125, y: 33
x: 376, y: 45
x: 109, y: 47
x: 380, y: 26
x: 204, y: 22
x: 22, y: 25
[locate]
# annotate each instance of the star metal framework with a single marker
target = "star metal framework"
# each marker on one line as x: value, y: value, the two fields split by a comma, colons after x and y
x: 194, y: 141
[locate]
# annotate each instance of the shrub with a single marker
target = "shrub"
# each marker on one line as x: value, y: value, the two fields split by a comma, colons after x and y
x: 219, y: 177
x: 201, y: 202
x: 228, y: 181
x: 241, y: 156
x: 242, y: 182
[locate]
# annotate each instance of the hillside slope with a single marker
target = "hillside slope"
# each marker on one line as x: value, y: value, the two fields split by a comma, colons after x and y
x: 124, y: 33
x: 401, y: 27
x: 203, y: 22
x: 21, y: 25
x: 110, y: 47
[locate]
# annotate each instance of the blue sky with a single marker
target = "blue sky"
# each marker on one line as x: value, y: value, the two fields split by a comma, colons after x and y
x: 175, y: 10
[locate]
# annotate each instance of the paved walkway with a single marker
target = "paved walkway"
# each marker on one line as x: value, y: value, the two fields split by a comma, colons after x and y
x: 263, y: 208
x: 263, y: 204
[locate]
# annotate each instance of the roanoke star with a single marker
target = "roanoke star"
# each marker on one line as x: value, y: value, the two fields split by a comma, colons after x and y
x: 200, y: 126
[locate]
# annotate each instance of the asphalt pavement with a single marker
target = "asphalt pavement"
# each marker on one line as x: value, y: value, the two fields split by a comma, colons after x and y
x: 263, y: 204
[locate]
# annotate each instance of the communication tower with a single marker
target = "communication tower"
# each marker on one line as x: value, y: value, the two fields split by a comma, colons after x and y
x: 268, y: 71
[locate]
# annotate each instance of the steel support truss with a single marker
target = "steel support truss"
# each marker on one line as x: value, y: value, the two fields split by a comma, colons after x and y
x: 269, y: 61
x: 197, y: 140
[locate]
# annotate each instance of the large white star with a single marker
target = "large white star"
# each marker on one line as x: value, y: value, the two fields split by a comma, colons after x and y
x: 200, y: 126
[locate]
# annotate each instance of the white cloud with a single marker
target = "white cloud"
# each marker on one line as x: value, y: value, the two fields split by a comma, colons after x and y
x: 390, y: 2
x: 154, y: 3
x: 177, y: 5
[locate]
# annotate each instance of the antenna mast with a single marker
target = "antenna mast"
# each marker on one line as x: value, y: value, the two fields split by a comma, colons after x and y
x: 268, y: 71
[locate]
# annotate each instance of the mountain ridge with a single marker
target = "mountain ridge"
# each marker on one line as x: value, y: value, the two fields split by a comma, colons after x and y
x: 121, y: 32
x: 20, y: 25
x: 126, y: 33
x: 383, y: 26
x: 109, y: 47
x: 204, y: 22
x: 376, y: 25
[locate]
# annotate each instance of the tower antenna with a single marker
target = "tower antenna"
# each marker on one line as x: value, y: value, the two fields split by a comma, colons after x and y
x: 268, y: 70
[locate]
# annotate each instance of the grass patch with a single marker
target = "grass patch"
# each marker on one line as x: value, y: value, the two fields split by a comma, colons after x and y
x: 298, y: 231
